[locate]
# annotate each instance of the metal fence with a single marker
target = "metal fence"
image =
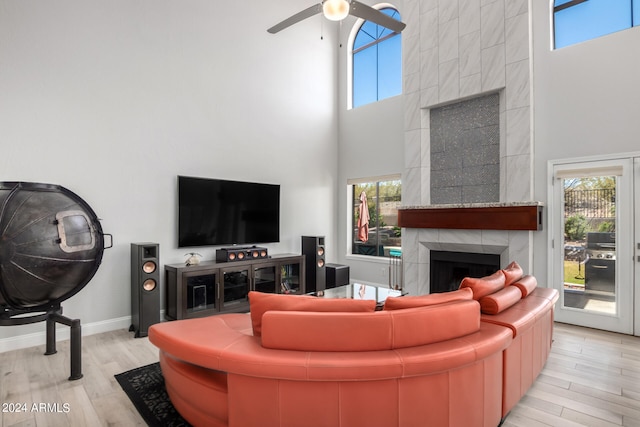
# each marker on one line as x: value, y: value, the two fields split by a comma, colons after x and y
x: 590, y: 203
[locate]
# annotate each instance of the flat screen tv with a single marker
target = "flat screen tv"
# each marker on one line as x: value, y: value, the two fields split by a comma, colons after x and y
x: 219, y: 212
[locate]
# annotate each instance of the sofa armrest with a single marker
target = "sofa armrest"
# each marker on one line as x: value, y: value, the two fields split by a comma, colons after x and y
x: 523, y: 315
x: 201, y: 341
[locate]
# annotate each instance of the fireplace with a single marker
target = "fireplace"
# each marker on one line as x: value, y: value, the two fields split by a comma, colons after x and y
x: 449, y: 268
x: 419, y: 243
x: 468, y: 141
x: 467, y: 194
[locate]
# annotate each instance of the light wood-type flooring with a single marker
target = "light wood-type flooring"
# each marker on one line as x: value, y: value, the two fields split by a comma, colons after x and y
x: 592, y: 378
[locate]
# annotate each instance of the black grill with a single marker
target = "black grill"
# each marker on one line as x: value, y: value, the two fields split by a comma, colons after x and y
x: 601, y: 241
x: 600, y: 266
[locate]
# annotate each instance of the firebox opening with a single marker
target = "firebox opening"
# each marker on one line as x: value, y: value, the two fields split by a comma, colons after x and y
x: 447, y: 269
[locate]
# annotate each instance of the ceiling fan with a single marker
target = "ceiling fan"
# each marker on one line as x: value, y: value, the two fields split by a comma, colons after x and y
x: 337, y: 10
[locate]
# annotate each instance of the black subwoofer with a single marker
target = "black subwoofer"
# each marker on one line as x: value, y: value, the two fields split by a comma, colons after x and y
x: 313, y: 250
x: 145, y: 287
x: 337, y: 275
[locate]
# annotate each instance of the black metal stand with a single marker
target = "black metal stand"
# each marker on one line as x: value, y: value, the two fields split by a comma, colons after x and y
x: 75, y: 341
x: 52, y: 315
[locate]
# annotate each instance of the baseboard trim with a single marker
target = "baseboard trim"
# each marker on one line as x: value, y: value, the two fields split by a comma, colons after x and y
x: 62, y: 333
x: 365, y: 282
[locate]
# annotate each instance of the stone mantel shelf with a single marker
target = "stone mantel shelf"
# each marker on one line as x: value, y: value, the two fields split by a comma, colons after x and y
x: 474, y: 216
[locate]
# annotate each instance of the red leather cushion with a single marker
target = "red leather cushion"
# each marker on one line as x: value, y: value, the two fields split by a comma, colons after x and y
x: 501, y: 300
x: 381, y: 330
x: 512, y: 273
x: 527, y: 284
x: 484, y: 285
x: 259, y: 303
x: 398, y: 303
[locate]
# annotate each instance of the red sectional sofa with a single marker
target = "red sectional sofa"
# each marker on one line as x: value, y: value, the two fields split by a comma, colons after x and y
x: 433, y: 360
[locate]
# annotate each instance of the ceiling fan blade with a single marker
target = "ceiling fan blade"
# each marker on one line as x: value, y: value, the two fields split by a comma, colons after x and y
x: 361, y: 10
x: 307, y: 13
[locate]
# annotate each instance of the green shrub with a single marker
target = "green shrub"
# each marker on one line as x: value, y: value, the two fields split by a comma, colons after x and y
x: 607, y: 226
x: 575, y: 227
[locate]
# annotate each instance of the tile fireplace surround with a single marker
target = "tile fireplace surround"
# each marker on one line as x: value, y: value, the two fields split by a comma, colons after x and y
x: 475, y: 52
x: 510, y: 244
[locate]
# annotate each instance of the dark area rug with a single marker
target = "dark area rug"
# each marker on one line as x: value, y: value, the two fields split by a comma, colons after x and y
x: 145, y: 388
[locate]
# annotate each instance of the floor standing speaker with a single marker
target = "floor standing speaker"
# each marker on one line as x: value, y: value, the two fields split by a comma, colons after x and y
x: 314, y: 252
x: 145, y: 287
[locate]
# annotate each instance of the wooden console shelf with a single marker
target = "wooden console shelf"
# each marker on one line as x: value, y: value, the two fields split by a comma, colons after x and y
x: 223, y: 287
x: 518, y: 217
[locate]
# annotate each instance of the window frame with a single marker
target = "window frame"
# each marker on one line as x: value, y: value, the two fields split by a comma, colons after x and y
x: 350, y: 57
x: 351, y: 222
x: 572, y: 3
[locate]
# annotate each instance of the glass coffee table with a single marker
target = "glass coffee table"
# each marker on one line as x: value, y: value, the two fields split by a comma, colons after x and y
x: 360, y: 291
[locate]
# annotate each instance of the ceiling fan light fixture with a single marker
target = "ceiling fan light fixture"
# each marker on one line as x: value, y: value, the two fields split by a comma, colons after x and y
x: 335, y: 10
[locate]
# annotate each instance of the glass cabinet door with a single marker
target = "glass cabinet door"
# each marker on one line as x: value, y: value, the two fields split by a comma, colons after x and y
x: 200, y: 292
x: 235, y: 287
x: 264, y: 278
x: 290, y: 278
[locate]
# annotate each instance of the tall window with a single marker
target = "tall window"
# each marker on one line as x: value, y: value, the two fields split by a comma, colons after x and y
x: 375, y: 218
x: 575, y: 21
x: 377, y: 62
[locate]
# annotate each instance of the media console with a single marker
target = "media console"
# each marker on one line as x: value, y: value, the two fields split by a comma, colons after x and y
x: 214, y: 287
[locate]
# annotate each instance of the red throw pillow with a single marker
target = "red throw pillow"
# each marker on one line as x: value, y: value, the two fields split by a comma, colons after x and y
x: 500, y: 301
x: 526, y: 285
x: 260, y: 303
x: 512, y: 273
x: 398, y: 303
x: 484, y: 285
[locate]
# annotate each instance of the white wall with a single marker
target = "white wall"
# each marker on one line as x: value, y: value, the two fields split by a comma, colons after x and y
x: 371, y: 144
x: 585, y: 103
x: 114, y: 99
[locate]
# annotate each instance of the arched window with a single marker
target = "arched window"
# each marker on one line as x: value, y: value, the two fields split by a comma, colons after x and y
x: 575, y: 21
x: 376, y: 62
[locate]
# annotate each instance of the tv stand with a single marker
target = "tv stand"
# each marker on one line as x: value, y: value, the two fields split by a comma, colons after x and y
x: 214, y: 287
